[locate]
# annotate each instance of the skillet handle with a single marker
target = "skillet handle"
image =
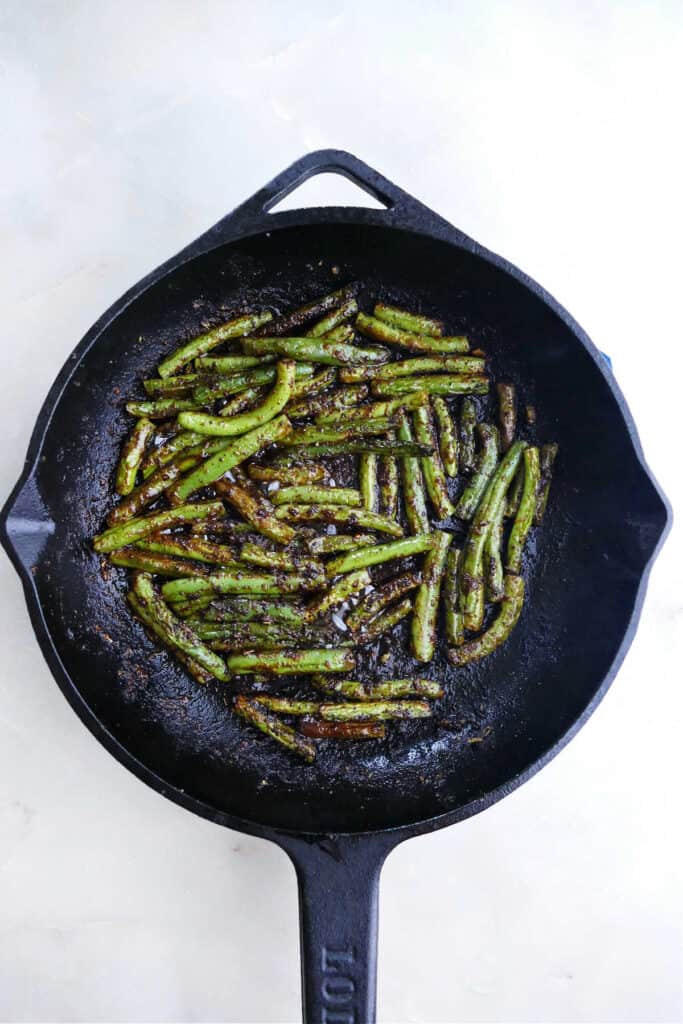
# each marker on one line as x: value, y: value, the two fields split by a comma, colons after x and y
x: 338, y: 888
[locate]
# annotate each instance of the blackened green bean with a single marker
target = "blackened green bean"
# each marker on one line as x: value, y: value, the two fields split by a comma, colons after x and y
x: 250, y: 609
x: 135, y: 529
x: 525, y: 512
x: 161, y: 456
x: 378, y: 553
x: 190, y: 608
x: 547, y: 458
x: 254, y: 554
x: 274, y: 727
x: 198, y: 346
x: 334, y: 319
x: 339, y: 515
x: 236, y: 452
x: 288, y: 706
x: 160, y: 565
x: 225, y: 366
x: 163, y: 408
x: 227, y: 426
x: 223, y: 387
x: 507, y: 414
x: 376, y: 601
x: 308, y: 495
x: 178, y: 633
x: 383, y: 623
x: 197, y: 671
x: 285, y: 663
x: 316, y: 350
x: 256, y: 509
x: 388, y: 486
x: 415, y: 323
x: 131, y: 455
x: 436, y: 384
x: 236, y: 581
x: 315, y: 384
x: 413, y: 483
x: 150, y: 489
x: 493, y: 558
x: 387, y: 689
x: 337, y: 403
x: 330, y: 544
x: 411, y: 367
x: 311, y: 434
x: 499, y: 631
x: 468, y: 422
x: 242, y: 401
x: 380, y: 331
x: 530, y: 413
x: 171, y: 387
x: 377, y: 710
x: 369, y: 444
x: 486, y: 467
x: 319, y: 730
x: 367, y: 476
x: 514, y: 495
x: 423, y: 631
x: 455, y: 633
x: 448, y: 436
x: 344, y: 333
x: 432, y: 467
x: 375, y: 410
x: 338, y: 593
x: 292, y: 476
x: 289, y: 322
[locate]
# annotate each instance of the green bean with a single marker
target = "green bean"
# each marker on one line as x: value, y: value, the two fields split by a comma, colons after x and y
x: 257, y: 511
x: 131, y: 455
x: 413, y: 483
x: 367, y: 475
x: 486, y: 466
x: 525, y: 513
x: 222, y: 426
x: 146, y: 492
x: 338, y: 593
x: 471, y: 578
x: 254, y: 554
x: 334, y: 319
x: 197, y: 671
x: 378, y: 553
x: 390, y: 689
x: 159, y: 457
x: 249, y: 634
x: 326, y: 545
x: 162, y: 408
x: 388, y: 486
x: 383, y: 623
x: 188, y: 609
x: 333, y: 435
x: 135, y: 529
x: 315, y: 384
x: 380, y: 447
x: 343, y: 333
x: 287, y: 706
x: 468, y: 421
x: 316, y: 350
x: 411, y: 367
x: 493, y: 559
x: 242, y: 401
x: 272, y: 726
x: 290, y: 321
x: 283, y: 663
x: 415, y: 323
x: 227, y: 527
x: 530, y: 413
x: 436, y: 384
x: 432, y: 467
x: 227, y: 365
x: 547, y: 458
x: 374, y: 328
x: 160, y: 565
x: 249, y: 609
x: 423, y: 631
x: 376, y: 601
x: 376, y: 410
x: 455, y: 633
x: 171, y: 387
x: 198, y: 346
x: 448, y: 437
x: 507, y: 414
x: 294, y: 476
x: 336, y: 403
x: 377, y: 710
x: 239, y: 450
x: 484, y: 645
x: 178, y: 633
x: 339, y: 515
x: 308, y: 495
x: 239, y: 582
x: 223, y: 387
x: 319, y: 730
x: 514, y: 495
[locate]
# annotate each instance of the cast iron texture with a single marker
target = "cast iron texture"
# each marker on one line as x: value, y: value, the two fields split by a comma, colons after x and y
x: 605, y: 521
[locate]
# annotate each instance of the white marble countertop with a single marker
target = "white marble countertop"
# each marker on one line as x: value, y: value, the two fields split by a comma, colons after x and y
x: 549, y: 132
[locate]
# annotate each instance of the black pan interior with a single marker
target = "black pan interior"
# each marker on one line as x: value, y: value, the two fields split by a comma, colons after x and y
x: 583, y: 568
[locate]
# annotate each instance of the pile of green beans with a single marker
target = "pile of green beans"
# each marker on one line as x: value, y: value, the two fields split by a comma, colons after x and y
x: 250, y: 560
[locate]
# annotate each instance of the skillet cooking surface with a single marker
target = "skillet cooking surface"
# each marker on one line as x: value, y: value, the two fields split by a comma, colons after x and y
x: 583, y: 568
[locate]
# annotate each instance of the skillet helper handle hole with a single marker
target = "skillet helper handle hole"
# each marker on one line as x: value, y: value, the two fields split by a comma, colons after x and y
x: 338, y: 894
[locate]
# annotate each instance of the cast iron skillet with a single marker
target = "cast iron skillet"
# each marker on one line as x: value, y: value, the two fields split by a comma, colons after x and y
x: 586, y: 580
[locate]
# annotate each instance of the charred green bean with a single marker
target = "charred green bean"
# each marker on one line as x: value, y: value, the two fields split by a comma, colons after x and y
x: 485, y: 468
x: 525, y: 512
x: 198, y: 346
x: 364, y: 557
x: 380, y: 331
x: 285, y: 663
x: 448, y: 436
x: 499, y: 631
x: 131, y: 455
x: 275, y: 728
x: 415, y: 323
x: 423, y: 631
x: 339, y: 515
